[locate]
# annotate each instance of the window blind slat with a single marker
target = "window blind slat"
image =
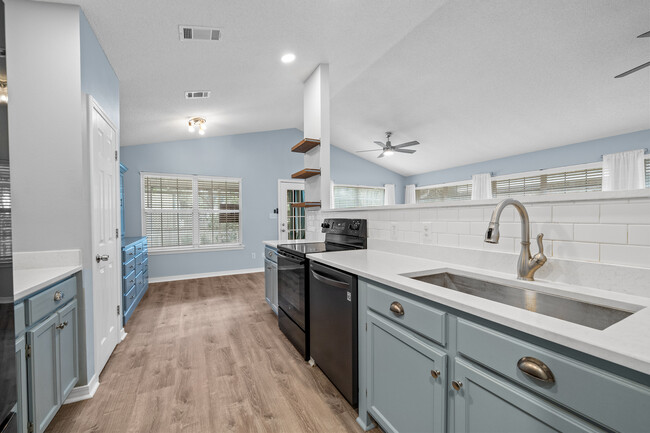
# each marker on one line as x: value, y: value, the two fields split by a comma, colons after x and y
x: 357, y: 196
x: 556, y: 183
x: 443, y: 193
x: 647, y: 173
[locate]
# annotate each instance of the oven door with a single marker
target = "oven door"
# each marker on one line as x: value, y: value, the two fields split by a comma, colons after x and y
x: 292, y: 288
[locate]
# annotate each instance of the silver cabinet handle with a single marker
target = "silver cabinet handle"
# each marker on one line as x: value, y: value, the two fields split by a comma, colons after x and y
x: 62, y: 325
x: 58, y: 296
x: 536, y: 369
x: 397, y: 308
x: 456, y: 384
x: 103, y: 258
x: 435, y: 373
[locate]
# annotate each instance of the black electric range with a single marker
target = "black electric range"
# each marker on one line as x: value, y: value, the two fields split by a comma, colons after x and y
x: 293, y: 275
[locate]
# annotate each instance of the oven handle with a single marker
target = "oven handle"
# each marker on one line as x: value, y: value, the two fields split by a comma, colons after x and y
x: 291, y: 259
x: 323, y: 279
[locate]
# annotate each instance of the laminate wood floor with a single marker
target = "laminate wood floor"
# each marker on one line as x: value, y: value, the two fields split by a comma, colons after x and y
x: 206, y: 355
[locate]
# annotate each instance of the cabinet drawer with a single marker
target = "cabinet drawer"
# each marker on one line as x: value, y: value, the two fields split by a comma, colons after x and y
x: 128, y: 253
x: 420, y: 318
x: 129, y: 281
x: 145, y: 265
x: 19, y: 318
x: 129, y: 298
x: 128, y: 267
x: 138, y: 248
x: 138, y: 264
x: 597, y: 394
x: 37, y: 307
x: 139, y: 283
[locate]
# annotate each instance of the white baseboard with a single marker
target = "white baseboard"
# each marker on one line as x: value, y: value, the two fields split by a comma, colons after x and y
x: 205, y: 275
x: 123, y: 335
x: 83, y: 392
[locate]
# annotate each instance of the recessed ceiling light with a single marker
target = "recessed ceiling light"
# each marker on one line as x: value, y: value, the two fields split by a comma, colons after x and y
x: 288, y: 58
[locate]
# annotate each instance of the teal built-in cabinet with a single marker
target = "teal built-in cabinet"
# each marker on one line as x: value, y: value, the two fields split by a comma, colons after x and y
x: 47, y: 353
x: 424, y: 367
x: 135, y: 271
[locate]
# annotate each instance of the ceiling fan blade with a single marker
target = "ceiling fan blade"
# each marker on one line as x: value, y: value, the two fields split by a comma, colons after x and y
x: 410, y: 143
x: 644, y: 35
x: 379, y: 143
x: 631, y: 71
x: 369, y: 150
x: 404, y: 150
x: 381, y: 155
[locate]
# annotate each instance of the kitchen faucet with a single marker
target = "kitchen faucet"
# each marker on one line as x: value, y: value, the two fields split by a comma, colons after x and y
x: 526, y: 265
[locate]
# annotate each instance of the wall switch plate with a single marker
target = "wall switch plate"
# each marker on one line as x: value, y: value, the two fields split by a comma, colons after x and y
x: 253, y: 255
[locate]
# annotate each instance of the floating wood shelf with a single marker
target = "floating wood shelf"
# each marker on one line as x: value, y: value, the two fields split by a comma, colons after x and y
x: 306, y: 173
x: 305, y: 145
x: 307, y: 204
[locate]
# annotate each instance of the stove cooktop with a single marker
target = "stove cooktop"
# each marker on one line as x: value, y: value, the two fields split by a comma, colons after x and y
x: 313, y: 247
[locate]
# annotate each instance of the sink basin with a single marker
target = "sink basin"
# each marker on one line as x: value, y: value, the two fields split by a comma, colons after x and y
x: 572, y: 310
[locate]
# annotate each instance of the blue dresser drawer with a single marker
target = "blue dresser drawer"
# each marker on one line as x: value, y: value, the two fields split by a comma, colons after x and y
x: 145, y: 265
x: 139, y: 284
x: 138, y: 264
x: 597, y: 394
x: 138, y: 248
x: 39, y: 306
x: 128, y: 267
x: 19, y: 318
x: 129, y: 281
x: 422, y: 319
x: 129, y: 298
x: 145, y: 278
x: 128, y: 253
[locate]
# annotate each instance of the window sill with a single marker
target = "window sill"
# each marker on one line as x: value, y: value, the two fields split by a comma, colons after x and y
x: 230, y: 247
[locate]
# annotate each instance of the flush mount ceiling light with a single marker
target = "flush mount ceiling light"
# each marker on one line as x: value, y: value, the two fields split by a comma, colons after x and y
x: 288, y: 58
x: 196, y: 122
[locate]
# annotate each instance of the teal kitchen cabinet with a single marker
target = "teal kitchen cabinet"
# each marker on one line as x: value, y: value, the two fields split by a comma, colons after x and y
x: 21, y: 373
x: 486, y: 403
x: 406, y: 379
x: 135, y: 274
x: 47, y: 353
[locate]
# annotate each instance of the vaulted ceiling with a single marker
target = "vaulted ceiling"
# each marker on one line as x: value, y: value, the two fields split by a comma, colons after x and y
x: 471, y: 80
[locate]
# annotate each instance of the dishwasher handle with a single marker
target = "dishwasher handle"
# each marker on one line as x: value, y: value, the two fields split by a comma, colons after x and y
x: 323, y: 279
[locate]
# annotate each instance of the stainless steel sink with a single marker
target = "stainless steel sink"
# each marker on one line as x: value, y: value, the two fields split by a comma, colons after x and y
x: 583, y: 313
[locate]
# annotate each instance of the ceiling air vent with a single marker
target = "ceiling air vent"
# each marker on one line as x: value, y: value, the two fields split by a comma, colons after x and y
x: 194, y: 33
x: 201, y: 94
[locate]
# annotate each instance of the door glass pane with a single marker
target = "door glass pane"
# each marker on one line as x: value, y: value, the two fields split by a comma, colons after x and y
x: 295, y: 215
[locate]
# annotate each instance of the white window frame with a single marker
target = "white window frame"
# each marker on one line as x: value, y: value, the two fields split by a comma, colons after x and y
x: 355, y: 186
x: 195, y: 211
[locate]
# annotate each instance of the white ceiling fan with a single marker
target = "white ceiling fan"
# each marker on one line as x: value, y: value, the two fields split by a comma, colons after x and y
x: 388, y: 149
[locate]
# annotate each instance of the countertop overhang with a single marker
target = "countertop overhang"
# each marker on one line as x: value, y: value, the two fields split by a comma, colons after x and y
x: 626, y: 343
x: 30, y: 281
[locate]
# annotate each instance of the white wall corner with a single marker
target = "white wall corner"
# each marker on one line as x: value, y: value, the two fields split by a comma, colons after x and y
x: 83, y: 392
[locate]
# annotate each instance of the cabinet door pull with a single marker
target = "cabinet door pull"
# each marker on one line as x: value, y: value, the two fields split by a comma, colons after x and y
x: 397, y: 308
x: 435, y: 373
x: 58, y: 295
x: 62, y: 325
x: 456, y: 384
x: 536, y: 369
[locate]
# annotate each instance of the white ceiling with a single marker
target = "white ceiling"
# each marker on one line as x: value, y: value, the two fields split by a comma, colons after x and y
x: 471, y: 80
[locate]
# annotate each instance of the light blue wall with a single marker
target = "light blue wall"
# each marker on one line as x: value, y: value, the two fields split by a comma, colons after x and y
x: 572, y: 154
x: 97, y: 75
x: 260, y: 159
x: 348, y: 168
x: 99, y: 80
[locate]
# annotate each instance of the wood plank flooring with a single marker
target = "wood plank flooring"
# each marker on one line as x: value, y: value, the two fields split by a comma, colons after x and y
x: 206, y: 355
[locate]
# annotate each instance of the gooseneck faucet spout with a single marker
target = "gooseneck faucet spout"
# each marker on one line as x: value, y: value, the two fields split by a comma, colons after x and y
x: 527, y: 265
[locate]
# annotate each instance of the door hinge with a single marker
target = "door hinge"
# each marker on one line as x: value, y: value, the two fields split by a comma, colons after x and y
x: 28, y: 351
x: 116, y: 155
x: 30, y: 427
x: 118, y: 310
x: 366, y: 327
x: 117, y: 233
x: 366, y: 393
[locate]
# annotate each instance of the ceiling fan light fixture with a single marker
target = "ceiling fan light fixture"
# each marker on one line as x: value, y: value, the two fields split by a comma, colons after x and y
x: 196, y: 122
x: 388, y: 152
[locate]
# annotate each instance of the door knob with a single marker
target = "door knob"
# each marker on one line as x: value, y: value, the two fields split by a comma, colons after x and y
x: 99, y: 258
x: 435, y: 373
x: 456, y: 384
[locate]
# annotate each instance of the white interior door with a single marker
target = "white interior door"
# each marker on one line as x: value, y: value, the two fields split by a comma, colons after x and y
x: 291, y: 219
x: 105, y: 252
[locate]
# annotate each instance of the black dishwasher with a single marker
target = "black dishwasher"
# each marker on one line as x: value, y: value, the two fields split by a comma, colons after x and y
x: 333, y: 327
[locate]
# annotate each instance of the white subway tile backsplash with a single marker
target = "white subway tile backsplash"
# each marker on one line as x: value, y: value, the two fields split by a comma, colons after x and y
x: 601, y: 233
x: 412, y: 237
x: 448, y: 239
x: 540, y: 214
x: 576, y: 251
x: 630, y: 255
x: 470, y: 214
x: 625, y: 213
x: 639, y: 235
x: 439, y: 226
x: 428, y: 214
x: 448, y: 214
x: 470, y: 241
x: 458, y: 227
x: 505, y: 245
x: 573, y: 213
x: 556, y: 232
x: 509, y: 230
x: 478, y: 228
x: 426, y: 237
x: 507, y: 215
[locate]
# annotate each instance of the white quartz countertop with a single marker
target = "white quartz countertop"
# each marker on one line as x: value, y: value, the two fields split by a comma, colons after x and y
x: 626, y: 343
x: 35, y: 270
x: 275, y: 243
x: 29, y: 281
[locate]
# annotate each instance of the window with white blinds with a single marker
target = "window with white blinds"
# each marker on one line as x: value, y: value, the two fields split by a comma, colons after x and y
x: 586, y: 180
x: 5, y: 214
x: 432, y: 194
x: 357, y: 196
x: 647, y: 173
x: 190, y: 212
